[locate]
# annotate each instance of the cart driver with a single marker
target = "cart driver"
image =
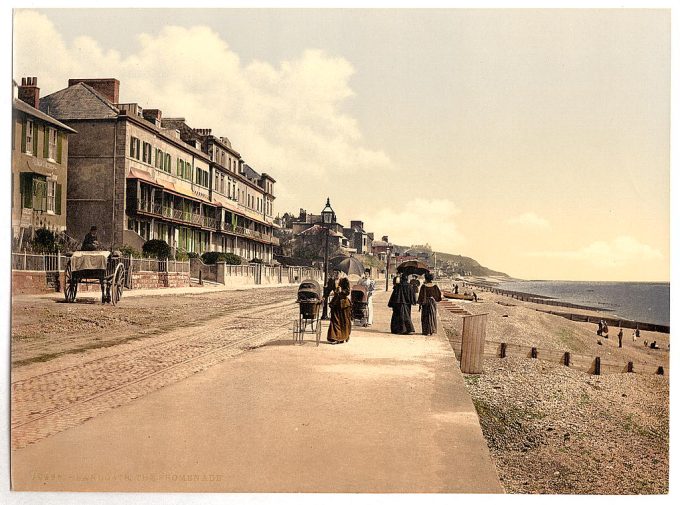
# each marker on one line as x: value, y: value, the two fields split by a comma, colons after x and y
x: 90, y: 243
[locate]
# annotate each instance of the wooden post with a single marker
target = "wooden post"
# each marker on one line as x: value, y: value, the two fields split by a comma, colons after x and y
x: 567, y: 358
x: 659, y: 371
x: 472, y: 344
x: 597, y: 366
x: 630, y: 367
x: 534, y: 352
x: 200, y: 277
x: 504, y: 349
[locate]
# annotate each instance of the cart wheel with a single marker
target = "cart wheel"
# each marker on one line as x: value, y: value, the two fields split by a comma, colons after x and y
x: 116, y: 288
x: 70, y: 284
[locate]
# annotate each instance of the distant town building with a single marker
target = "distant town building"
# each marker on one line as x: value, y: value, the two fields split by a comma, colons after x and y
x: 138, y: 176
x: 358, y: 238
x: 39, y: 166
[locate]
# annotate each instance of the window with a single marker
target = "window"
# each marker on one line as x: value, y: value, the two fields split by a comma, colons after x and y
x: 146, y: 152
x: 168, y: 163
x: 188, y: 171
x: 29, y: 137
x: 134, y: 148
x: 180, y: 168
x: 159, y: 159
x: 39, y: 194
x: 51, y: 193
x: 52, y: 143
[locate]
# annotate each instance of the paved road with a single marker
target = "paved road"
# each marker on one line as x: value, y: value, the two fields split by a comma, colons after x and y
x: 50, y: 397
x: 382, y: 413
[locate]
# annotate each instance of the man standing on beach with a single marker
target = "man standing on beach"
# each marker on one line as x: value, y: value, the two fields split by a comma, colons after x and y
x: 620, y: 337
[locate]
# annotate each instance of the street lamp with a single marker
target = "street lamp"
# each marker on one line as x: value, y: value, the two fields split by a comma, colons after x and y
x: 387, y: 269
x: 327, y: 218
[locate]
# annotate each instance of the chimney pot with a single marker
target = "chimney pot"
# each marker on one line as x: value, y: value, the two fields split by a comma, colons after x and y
x: 107, y: 87
x: 29, y: 91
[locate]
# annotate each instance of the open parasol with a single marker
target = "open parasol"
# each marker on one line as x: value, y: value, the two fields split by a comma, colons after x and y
x: 413, y: 267
x: 347, y: 264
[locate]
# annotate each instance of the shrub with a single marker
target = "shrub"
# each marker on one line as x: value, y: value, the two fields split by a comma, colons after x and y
x: 44, y: 241
x: 128, y: 250
x: 181, y: 256
x: 212, y: 257
x: 192, y: 255
x: 156, y: 249
x: 232, y: 259
x: 256, y: 260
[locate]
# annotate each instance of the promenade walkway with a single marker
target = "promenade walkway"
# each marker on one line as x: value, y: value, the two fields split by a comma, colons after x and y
x: 382, y: 413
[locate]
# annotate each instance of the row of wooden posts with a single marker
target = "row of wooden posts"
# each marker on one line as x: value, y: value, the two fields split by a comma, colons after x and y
x: 473, y: 347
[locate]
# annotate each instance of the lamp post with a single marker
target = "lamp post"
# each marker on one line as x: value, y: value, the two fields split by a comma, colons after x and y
x: 387, y: 269
x: 327, y: 218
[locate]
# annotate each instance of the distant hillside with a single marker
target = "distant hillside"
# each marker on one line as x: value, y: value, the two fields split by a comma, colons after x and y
x: 468, y: 264
x: 458, y: 263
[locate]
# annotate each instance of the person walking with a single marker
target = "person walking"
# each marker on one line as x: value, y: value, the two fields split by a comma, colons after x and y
x: 328, y: 289
x: 620, y: 335
x: 369, y: 284
x: 428, y: 297
x: 401, y: 299
x: 340, y: 326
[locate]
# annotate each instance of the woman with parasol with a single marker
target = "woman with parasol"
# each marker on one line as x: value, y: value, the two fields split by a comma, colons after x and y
x: 400, y: 302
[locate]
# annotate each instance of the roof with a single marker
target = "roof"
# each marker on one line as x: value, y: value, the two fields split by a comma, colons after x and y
x: 380, y: 243
x: 27, y: 109
x: 249, y: 172
x: 79, y: 101
x: 318, y: 229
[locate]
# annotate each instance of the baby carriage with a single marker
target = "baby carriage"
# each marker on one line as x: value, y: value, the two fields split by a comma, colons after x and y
x: 309, y: 320
x: 359, y: 297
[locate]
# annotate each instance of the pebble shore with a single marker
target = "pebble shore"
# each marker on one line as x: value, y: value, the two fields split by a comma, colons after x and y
x: 556, y: 430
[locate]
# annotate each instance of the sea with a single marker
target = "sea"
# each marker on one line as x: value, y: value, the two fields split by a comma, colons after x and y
x: 647, y: 302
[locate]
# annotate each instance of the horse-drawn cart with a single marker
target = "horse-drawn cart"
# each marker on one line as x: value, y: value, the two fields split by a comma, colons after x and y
x: 95, y: 267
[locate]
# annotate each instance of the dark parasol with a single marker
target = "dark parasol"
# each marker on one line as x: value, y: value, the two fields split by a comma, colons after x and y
x: 413, y: 267
x: 347, y: 264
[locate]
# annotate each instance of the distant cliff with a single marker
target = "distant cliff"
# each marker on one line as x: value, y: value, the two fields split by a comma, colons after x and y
x: 467, y: 265
x: 454, y: 263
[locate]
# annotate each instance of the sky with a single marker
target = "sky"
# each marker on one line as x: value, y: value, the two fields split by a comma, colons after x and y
x: 535, y: 141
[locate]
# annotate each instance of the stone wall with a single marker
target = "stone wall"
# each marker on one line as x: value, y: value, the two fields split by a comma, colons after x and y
x: 155, y: 280
x: 27, y: 282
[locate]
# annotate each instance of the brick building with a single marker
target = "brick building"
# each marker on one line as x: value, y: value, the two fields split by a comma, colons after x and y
x: 138, y: 176
x: 39, y: 166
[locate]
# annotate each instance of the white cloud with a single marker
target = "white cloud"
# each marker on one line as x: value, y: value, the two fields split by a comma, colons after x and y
x: 620, y: 252
x: 285, y: 119
x: 530, y: 220
x: 419, y: 221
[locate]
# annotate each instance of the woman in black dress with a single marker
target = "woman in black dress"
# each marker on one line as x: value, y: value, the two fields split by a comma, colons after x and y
x: 427, y: 299
x: 400, y: 302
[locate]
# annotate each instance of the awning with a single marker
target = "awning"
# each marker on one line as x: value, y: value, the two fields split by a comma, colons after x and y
x: 143, y: 176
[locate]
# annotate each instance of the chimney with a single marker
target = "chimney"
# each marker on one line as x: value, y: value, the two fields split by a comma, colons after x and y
x: 203, y: 132
x: 107, y: 87
x: 152, y: 116
x: 29, y: 91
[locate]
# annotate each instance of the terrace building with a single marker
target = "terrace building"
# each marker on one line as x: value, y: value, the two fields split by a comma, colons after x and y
x: 138, y: 177
x: 39, y: 166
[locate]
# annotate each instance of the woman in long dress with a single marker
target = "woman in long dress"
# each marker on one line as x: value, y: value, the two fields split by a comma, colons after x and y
x: 400, y: 302
x: 341, y: 314
x: 427, y: 299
